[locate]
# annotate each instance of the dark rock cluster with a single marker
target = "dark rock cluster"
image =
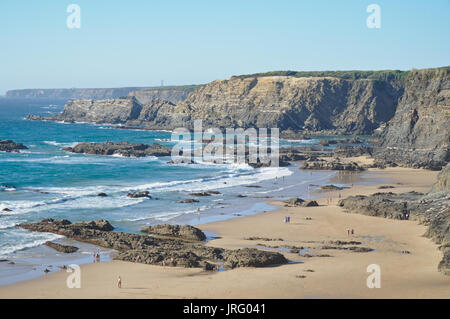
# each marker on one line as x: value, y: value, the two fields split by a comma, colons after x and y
x: 11, y: 146
x: 126, y: 149
x: 149, y: 249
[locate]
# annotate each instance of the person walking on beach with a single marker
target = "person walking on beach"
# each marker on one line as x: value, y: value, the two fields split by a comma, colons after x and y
x: 353, y: 232
x: 93, y: 257
x: 119, y: 282
x: 348, y: 231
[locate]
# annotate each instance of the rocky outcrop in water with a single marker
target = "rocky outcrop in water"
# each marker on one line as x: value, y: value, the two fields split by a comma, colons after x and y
x: 178, y: 231
x: 113, y: 111
x: 11, y: 146
x: 120, y: 148
x: 61, y: 248
x: 155, y: 250
x: 419, y: 135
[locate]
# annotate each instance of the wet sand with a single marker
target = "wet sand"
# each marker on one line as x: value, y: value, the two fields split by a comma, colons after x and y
x: 343, y: 275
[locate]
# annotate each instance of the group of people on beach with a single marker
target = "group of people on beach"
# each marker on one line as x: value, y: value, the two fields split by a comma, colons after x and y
x: 287, y: 219
x: 350, y: 231
x: 96, y: 257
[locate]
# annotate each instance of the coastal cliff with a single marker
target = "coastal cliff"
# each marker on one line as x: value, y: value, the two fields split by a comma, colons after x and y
x: 310, y: 104
x: 113, y: 111
x: 172, y: 94
x: 419, y: 133
x: 144, y: 95
x: 66, y: 94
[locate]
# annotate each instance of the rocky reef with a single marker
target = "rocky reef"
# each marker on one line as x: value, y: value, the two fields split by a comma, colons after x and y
x: 157, y: 250
x: 418, y: 135
x: 11, y: 146
x: 431, y: 209
x: 120, y: 148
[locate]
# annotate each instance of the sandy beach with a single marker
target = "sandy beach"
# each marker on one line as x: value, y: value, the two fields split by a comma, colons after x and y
x: 342, y: 275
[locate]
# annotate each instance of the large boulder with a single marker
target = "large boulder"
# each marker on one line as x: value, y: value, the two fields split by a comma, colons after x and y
x: 179, y: 231
x: 11, y: 146
x: 251, y: 257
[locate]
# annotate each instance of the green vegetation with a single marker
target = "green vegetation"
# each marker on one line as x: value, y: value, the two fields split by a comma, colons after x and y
x: 382, y: 75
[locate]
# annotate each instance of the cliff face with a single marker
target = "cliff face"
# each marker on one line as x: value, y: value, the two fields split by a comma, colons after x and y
x: 102, y: 111
x: 419, y: 133
x: 66, y: 94
x: 144, y: 95
x: 309, y: 104
x: 171, y: 94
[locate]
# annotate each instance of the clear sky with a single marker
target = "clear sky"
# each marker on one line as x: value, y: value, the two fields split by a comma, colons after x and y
x: 140, y: 43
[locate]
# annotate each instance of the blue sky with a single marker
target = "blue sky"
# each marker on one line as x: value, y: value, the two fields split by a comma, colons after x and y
x: 140, y: 43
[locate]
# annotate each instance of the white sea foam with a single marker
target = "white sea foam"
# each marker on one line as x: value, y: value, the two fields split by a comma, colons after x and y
x: 61, y: 144
x: 19, y: 239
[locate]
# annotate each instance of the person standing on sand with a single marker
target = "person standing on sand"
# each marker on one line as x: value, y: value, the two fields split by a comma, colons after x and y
x: 119, y: 282
x: 353, y: 232
x: 348, y: 231
x: 93, y: 257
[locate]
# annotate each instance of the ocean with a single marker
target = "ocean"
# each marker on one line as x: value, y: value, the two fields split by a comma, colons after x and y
x: 47, y: 182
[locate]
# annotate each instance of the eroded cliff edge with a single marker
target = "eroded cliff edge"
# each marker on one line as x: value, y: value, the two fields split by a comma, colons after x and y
x: 310, y: 104
x: 419, y: 133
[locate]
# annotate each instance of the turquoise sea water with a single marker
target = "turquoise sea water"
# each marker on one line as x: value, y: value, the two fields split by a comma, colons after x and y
x: 46, y: 182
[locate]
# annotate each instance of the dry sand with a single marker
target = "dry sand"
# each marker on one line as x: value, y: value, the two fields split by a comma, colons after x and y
x: 343, y: 275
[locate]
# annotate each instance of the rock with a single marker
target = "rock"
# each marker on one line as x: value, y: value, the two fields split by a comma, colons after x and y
x: 213, y: 192
x: 7, y: 210
x: 294, y: 202
x: 209, y: 267
x: 102, y: 225
x: 184, y: 232
x: 351, y: 151
x: 142, y: 194
x: 331, y: 165
x: 200, y: 194
x: 102, y: 195
x: 189, y: 201
x: 385, y: 187
x: 250, y: 257
x: 443, y: 180
x: 120, y: 148
x: 331, y: 188
x: 11, y: 146
x: 310, y: 203
x: 61, y: 248
x: 418, y: 134
x: 430, y: 209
